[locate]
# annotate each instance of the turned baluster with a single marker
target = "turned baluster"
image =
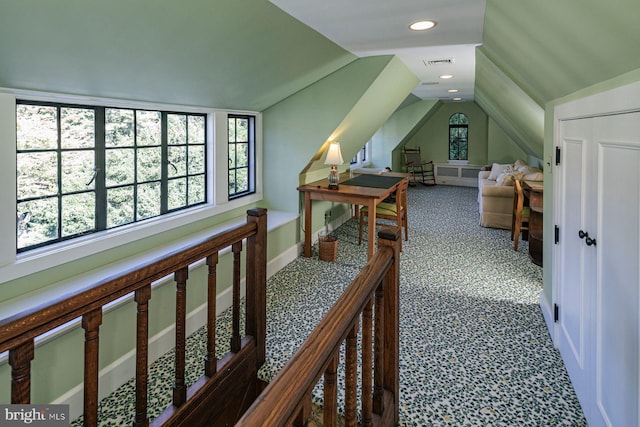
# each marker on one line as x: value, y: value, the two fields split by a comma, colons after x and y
x: 91, y: 324
x: 367, y: 323
x: 179, y: 387
x: 378, y: 342
x: 210, y: 360
x: 351, y: 377
x: 235, y: 334
x: 330, y: 404
x: 142, y: 297
x: 20, y: 360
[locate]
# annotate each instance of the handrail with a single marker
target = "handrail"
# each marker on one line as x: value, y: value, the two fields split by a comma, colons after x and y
x: 18, y: 332
x: 283, y: 400
x: 30, y: 323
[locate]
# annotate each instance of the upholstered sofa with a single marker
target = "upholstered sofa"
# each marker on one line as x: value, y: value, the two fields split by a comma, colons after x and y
x: 495, y: 191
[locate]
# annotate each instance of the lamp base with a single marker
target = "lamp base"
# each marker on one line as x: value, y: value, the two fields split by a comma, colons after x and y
x: 333, y: 178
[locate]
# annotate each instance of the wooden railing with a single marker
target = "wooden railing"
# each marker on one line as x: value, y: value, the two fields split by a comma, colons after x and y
x: 231, y: 382
x: 373, y: 296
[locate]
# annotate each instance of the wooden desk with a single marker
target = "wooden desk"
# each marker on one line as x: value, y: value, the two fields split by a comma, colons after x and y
x: 533, y: 194
x: 352, y: 194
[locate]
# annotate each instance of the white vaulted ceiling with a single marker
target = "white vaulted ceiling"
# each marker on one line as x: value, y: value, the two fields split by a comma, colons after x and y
x: 381, y: 27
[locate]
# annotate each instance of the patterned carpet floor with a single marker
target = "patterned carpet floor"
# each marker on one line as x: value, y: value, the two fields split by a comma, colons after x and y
x: 475, y: 350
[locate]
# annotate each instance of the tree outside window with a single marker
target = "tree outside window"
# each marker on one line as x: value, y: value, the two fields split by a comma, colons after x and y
x: 83, y: 169
x: 241, y: 155
x: 458, y: 136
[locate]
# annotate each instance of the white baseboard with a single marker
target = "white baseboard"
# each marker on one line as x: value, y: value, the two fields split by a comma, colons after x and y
x: 122, y: 370
x: 459, y: 182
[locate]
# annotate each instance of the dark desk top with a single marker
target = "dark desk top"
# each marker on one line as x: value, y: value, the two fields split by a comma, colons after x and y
x: 375, y: 181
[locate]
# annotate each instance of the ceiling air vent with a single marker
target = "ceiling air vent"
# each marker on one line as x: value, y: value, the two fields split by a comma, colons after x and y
x: 429, y: 83
x: 438, y: 61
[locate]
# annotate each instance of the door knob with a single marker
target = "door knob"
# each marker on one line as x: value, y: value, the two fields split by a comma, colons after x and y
x: 588, y: 240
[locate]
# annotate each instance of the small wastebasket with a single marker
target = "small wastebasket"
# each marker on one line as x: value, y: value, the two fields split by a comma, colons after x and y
x: 328, y: 247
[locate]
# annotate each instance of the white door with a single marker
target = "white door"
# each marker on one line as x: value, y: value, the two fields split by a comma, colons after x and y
x: 575, y: 175
x: 598, y: 257
x: 617, y: 293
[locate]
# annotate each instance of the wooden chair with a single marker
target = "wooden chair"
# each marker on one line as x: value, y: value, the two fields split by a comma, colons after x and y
x: 520, y: 216
x: 420, y: 171
x: 391, y: 212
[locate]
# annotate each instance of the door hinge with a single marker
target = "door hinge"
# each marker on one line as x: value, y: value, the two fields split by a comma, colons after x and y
x: 557, y: 156
x: 556, y: 313
x: 556, y: 235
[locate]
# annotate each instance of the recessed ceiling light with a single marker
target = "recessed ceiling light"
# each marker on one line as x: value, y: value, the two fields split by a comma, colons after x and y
x: 457, y: 99
x: 452, y: 90
x: 446, y: 76
x: 422, y: 25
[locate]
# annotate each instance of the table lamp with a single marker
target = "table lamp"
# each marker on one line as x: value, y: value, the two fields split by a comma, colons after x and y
x: 334, y: 158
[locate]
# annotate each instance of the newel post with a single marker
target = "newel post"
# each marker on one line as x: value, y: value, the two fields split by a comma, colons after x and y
x: 256, y: 286
x: 392, y: 238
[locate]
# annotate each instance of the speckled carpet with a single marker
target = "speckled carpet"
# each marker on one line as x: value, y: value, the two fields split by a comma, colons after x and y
x: 474, y: 347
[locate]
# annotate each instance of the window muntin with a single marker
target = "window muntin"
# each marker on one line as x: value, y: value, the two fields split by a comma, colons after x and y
x: 82, y: 169
x: 241, y: 152
x: 458, y: 137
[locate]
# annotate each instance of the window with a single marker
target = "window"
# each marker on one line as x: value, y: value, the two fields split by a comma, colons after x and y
x: 458, y: 137
x: 84, y: 169
x: 241, y: 155
x: 361, y: 156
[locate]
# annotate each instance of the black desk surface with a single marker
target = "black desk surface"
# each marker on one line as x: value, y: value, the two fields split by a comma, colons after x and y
x: 375, y: 181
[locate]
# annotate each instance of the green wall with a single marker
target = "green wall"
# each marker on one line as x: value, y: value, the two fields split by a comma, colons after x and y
x: 401, y: 125
x: 502, y: 149
x: 433, y: 136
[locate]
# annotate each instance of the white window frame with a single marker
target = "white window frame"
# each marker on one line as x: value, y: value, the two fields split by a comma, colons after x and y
x: 359, y: 162
x: 13, y: 265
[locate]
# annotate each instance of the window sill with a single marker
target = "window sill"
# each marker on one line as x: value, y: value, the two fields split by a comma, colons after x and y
x: 76, y: 284
x: 50, y: 256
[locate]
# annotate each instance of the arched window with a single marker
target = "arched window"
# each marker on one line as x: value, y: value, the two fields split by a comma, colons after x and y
x: 458, y: 136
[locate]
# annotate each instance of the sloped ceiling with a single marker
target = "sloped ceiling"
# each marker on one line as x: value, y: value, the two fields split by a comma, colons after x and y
x: 534, y: 53
x: 554, y: 48
x: 519, y: 116
x: 238, y: 54
x: 347, y: 106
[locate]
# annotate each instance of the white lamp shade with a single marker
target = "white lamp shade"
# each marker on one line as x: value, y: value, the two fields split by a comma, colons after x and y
x: 334, y: 155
